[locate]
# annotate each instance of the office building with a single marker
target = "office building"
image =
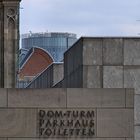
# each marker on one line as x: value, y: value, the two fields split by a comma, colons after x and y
x: 54, y: 43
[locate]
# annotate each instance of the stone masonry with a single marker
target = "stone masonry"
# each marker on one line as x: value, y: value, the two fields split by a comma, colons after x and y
x: 9, y: 42
x: 113, y: 111
x: 104, y: 62
x: 108, y: 62
x: 103, y: 69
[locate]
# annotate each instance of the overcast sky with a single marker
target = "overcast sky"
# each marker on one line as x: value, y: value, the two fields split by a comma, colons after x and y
x: 83, y: 17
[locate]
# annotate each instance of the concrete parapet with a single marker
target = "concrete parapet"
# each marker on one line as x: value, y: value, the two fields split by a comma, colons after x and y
x: 104, y: 99
x: 110, y: 108
x: 17, y: 122
x: 37, y: 98
x: 3, y: 97
x: 122, y: 127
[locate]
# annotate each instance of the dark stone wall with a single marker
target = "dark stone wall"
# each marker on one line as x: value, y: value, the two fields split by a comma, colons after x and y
x: 9, y: 42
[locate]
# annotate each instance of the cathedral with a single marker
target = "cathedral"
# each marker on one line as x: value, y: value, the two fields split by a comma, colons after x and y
x: 9, y: 42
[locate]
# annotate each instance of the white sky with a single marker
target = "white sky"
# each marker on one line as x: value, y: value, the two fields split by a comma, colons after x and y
x: 83, y: 17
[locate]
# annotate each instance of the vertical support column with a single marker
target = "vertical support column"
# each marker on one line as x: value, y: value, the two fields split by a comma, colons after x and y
x: 11, y: 41
x: 1, y: 46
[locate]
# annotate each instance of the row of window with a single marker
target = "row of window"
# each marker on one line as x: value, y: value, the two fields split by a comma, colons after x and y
x: 63, y: 42
x: 56, y: 46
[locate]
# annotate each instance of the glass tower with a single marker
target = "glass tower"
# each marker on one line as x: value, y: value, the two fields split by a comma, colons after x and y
x: 55, y: 43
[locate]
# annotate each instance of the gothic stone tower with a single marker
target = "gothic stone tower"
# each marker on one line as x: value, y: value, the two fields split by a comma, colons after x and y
x: 9, y: 42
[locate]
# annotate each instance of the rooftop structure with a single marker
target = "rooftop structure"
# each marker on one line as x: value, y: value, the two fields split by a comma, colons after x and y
x: 35, y: 61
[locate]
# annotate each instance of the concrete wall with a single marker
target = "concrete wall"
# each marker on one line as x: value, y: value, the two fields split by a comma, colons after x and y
x: 114, y: 109
x: 101, y: 62
x: 49, y: 77
x: 107, y: 63
x: 104, y: 63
